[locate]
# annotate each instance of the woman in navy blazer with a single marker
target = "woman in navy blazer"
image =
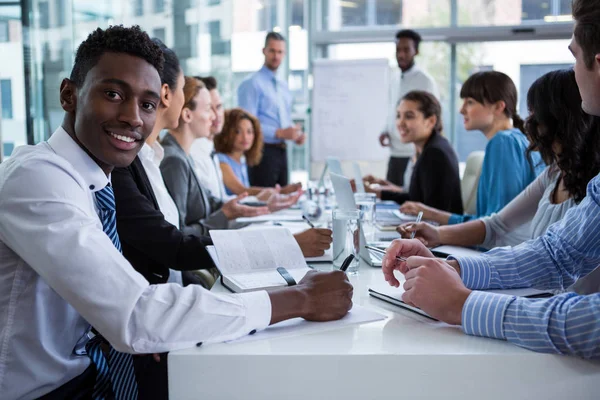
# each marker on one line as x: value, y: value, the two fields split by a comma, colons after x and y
x: 435, y: 179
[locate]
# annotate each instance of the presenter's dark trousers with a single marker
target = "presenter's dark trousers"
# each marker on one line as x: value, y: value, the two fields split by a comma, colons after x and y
x: 396, y: 169
x: 273, y: 168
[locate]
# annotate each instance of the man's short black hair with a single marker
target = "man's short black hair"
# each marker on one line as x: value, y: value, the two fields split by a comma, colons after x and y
x: 171, y: 66
x: 116, y: 39
x: 409, y: 34
x: 209, y: 81
x: 273, y: 36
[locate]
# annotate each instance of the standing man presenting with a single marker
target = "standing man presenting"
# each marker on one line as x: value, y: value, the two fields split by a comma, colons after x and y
x: 269, y: 99
x: 409, y: 77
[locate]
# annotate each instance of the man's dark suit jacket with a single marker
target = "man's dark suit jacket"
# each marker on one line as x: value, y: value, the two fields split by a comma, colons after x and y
x: 435, y: 180
x: 150, y: 243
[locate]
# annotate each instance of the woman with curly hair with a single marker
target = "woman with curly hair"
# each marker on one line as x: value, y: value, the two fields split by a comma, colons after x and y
x: 569, y: 143
x: 239, y: 146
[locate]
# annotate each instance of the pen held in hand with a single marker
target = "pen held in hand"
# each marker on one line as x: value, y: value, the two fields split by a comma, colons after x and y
x: 304, y: 217
x: 380, y: 251
x: 347, y: 262
x: 419, y: 218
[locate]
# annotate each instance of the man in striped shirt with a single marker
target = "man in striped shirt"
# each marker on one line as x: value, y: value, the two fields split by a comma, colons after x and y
x: 568, y: 323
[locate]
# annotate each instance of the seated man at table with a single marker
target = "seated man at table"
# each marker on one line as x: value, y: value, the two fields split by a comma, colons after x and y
x: 61, y: 266
x: 570, y: 250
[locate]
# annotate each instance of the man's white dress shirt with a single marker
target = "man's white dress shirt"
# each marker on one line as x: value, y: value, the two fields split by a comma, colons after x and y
x: 59, y: 273
x: 400, y: 84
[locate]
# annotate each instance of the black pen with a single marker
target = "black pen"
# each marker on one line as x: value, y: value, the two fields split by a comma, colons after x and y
x: 308, y: 221
x: 347, y: 262
x: 378, y: 250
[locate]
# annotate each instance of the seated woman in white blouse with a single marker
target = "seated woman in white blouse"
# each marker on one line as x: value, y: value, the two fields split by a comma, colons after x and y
x: 569, y: 142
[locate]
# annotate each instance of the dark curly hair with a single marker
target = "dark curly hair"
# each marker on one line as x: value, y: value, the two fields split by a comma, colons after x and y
x: 556, y: 120
x: 116, y: 39
x: 224, y: 141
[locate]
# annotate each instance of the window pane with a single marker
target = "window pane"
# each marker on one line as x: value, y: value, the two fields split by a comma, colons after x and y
x: 6, y: 93
x: 159, y: 6
x: 511, y: 12
x: 389, y: 12
x: 138, y: 8
x: 297, y: 13
x: 12, y: 83
x: 342, y: 14
x: 354, y: 13
x: 3, y: 31
x: 529, y: 60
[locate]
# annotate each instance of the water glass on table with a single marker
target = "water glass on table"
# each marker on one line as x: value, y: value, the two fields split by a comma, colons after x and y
x: 346, y: 238
x: 365, y: 203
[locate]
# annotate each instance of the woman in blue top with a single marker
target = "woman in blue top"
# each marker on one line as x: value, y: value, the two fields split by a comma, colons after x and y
x: 238, y: 146
x: 490, y: 105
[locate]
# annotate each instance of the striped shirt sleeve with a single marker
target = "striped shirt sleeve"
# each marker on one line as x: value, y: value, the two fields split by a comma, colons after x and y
x: 562, y: 324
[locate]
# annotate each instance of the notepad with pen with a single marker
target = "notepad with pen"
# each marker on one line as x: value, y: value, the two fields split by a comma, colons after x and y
x: 248, y: 259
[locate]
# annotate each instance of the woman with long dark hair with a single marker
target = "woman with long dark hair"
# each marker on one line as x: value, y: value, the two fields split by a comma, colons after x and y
x: 568, y: 141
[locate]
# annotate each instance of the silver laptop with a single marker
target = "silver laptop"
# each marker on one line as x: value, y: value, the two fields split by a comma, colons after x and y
x: 358, y: 181
x: 332, y: 164
x: 345, y: 200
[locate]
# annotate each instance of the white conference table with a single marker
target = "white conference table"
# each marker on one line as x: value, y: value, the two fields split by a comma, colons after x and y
x: 404, y: 356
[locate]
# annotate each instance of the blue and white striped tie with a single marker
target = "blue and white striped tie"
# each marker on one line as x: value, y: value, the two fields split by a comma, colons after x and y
x: 118, y: 368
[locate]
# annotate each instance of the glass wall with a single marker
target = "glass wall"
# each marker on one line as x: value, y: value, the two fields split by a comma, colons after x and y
x: 345, y: 14
x: 512, y: 12
x: 13, y: 130
x: 223, y: 38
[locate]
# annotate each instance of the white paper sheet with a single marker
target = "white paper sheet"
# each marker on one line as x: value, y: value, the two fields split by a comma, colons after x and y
x: 256, y: 250
x: 283, y: 215
x: 299, y: 326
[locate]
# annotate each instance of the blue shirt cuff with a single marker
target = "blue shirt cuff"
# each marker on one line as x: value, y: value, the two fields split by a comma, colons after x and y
x: 476, y: 272
x: 455, y: 219
x: 483, y: 314
x: 269, y: 134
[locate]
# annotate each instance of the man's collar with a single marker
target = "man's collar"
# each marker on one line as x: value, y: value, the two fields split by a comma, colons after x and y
x: 413, y: 68
x: 265, y: 70
x: 67, y: 148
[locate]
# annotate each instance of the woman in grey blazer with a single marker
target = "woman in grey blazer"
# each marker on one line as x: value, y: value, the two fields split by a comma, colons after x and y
x: 199, y: 210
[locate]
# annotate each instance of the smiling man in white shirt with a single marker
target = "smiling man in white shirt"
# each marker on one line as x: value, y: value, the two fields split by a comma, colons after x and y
x: 60, y: 272
x: 406, y: 78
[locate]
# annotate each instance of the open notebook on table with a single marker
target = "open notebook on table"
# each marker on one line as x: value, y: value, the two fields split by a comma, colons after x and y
x: 248, y: 259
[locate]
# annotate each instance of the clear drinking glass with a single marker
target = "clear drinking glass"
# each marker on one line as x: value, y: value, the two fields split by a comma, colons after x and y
x: 346, y: 238
x: 365, y: 203
x: 312, y: 207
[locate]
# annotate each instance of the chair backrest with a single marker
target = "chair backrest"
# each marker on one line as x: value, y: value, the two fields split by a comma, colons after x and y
x: 470, y: 181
